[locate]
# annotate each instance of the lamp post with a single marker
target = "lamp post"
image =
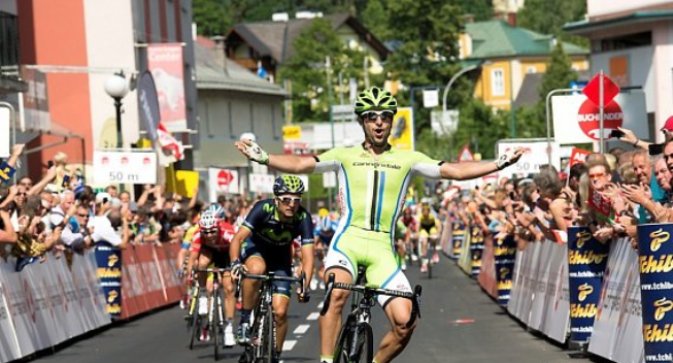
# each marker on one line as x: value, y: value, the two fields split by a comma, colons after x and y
x: 116, y: 87
x: 451, y: 81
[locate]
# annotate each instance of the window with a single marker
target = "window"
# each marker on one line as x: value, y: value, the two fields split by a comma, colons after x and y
x: 623, y: 42
x: 531, y: 69
x: 497, y: 82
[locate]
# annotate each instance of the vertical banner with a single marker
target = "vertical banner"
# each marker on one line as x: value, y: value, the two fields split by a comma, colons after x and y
x: 656, y: 290
x: 505, y: 255
x: 457, y: 238
x: 465, y: 255
x: 165, y: 63
x: 402, y: 135
x: 476, y: 249
x: 109, y: 273
x: 587, y: 260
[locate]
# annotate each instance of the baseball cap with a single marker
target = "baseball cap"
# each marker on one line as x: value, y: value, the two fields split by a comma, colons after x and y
x: 103, y: 197
x: 668, y: 125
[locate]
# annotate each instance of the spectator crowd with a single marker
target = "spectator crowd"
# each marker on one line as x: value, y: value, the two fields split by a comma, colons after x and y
x: 61, y: 214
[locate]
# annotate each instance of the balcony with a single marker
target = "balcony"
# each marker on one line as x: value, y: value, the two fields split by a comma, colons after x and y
x: 9, y: 55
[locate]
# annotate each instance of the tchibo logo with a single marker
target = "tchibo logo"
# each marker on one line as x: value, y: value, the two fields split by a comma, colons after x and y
x: 658, y: 238
x: 584, y: 290
x: 112, y: 260
x: 582, y: 237
x: 662, y: 306
x: 503, y: 272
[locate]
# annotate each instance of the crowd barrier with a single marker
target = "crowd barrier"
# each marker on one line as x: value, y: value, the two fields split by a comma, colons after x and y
x: 51, y: 302
x: 534, y: 287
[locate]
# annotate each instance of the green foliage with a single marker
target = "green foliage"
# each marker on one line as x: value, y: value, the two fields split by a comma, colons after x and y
x: 306, y: 69
x: 435, y: 146
x: 480, y: 127
x: 549, y: 16
x: 481, y: 10
x: 211, y: 17
x: 375, y: 17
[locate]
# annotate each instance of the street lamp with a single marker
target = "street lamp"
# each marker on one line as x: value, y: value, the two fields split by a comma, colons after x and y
x: 448, y: 86
x: 116, y: 87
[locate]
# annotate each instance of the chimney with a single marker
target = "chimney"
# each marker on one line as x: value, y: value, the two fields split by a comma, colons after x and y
x: 511, y: 19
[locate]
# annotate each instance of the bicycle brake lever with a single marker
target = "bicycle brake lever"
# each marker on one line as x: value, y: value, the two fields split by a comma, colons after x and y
x: 328, y: 294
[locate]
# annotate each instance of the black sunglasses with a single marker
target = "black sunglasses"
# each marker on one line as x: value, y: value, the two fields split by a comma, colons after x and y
x: 385, y: 115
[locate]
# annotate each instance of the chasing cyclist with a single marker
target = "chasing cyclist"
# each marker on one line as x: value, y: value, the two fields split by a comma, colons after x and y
x: 373, y: 178
x: 264, y: 243
x: 210, y: 248
x: 324, y: 232
x: 428, y: 234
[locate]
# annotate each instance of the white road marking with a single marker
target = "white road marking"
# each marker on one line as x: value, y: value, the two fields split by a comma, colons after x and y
x: 313, y: 316
x: 288, y: 345
x: 301, y: 329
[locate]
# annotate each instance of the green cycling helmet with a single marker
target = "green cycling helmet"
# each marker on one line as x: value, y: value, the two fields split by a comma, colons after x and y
x: 288, y: 184
x: 375, y: 98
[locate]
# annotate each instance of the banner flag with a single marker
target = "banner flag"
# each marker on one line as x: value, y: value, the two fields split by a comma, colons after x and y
x: 109, y: 273
x: 476, y: 249
x: 505, y: 256
x: 656, y: 290
x: 587, y: 260
x: 457, y: 239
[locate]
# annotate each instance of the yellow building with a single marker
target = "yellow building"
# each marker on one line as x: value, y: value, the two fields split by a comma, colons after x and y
x: 508, y: 55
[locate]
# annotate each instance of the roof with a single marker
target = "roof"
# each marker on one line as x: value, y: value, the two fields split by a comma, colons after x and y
x: 496, y: 38
x: 276, y: 38
x: 215, y: 72
x: 587, y: 25
x: 529, y: 92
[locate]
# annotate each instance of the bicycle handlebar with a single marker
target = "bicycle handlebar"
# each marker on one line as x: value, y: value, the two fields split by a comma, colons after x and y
x: 213, y: 270
x: 363, y: 289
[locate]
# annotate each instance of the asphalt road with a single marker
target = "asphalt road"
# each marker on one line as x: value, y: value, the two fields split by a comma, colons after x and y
x: 460, y: 324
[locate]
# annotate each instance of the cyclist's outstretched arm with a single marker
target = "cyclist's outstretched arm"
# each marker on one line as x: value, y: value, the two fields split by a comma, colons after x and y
x: 294, y: 164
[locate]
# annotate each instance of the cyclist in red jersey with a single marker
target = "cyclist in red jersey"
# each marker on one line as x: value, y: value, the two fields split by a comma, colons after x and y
x: 210, y: 246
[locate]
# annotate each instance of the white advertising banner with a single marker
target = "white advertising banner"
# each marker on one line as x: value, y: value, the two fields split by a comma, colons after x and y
x: 4, y: 131
x: 261, y: 183
x: 576, y: 119
x: 535, y: 156
x: 47, y: 303
x: 129, y: 167
x: 222, y: 181
x: 618, y: 325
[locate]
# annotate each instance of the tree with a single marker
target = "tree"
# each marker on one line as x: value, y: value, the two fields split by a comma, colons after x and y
x: 307, y: 71
x: 481, y: 10
x: 549, y: 16
x: 531, y: 120
x: 375, y: 17
x: 479, y: 127
x: 211, y: 17
x: 427, y: 31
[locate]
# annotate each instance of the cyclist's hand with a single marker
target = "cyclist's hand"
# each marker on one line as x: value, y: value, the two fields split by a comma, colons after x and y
x: 252, y: 151
x: 236, y: 268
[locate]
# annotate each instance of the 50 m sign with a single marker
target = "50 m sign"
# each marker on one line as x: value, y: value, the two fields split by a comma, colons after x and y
x: 115, y: 167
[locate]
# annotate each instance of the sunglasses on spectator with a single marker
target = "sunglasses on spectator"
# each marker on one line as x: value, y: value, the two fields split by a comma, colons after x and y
x: 596, y: 175
x: 288, y: 200
x: 83, y: 215
x: 385, y: 115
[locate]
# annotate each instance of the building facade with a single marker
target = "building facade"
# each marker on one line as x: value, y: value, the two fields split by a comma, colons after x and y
x: 632, y: 42
x: 505, y: 55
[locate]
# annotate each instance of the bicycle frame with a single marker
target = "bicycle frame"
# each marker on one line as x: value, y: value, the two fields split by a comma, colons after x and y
x: 263, y: 332
x: 358, y: 320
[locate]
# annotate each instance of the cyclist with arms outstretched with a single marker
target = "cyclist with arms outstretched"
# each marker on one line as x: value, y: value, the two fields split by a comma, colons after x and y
x: 373, y: 179
x: 264, y: 243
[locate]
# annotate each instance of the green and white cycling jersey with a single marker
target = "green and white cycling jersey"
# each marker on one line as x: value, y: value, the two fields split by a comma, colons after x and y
x: 372, y: 189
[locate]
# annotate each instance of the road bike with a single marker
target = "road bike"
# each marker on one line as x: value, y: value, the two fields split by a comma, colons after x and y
x: 355, y: 340
x: 212, y: 322
x: 262, y: 346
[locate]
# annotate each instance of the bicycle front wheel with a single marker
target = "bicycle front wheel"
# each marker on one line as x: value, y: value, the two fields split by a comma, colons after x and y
x: 355, y: 343
x: 267, y: 340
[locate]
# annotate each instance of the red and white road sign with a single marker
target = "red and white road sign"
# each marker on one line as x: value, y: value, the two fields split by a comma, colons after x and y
x: 588, y: 118
x: 592, y: 90
x: 222, y: 181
